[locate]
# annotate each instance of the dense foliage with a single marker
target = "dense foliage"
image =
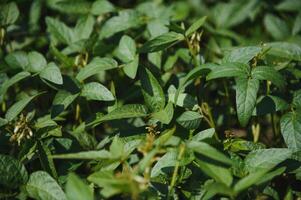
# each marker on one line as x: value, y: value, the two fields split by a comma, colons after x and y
x: 192, y: 99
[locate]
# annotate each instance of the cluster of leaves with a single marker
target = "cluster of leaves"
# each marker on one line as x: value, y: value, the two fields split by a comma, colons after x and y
x: 150, y: 99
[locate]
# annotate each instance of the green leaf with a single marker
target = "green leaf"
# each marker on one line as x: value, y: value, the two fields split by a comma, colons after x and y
x: 125, y: 111
x: 266, y: 159
x: 165, y: 115
x: 152, y: 92
x: 126, y: 50
x: 195, y: 26
x: 59, y: 31
x: 218, y: 173
x: 95, y: 66
x: 290, y: 125
x: 85, y: 155
x: 297, y: 99
x: 289, y: 5
x: 246, y: 95
x: 84, y: 27
x: 297, y: 25
x: 161, y: 42
x: 17, y: 108
x: 13, y: 80
x: 190, y: 119
x: 270, y: 104
x: 248, y: 181
x: 52, y: 73
x: 270, y: 74
x: 17, y: 59
x: 96, y: 91
x: 76, y: 189
x: 285, y: 50
x: 208, y: 151
x: 46, y: 160
x: 277, y: 27
x: 41, y: 186
x: 36, y: 62
x: 61, y: 101
x: 101, y: 7
x: 125, y: 20
x: 9, y: 13
x: 130, y: 69
x: 229, y: 70
x: 170, y: 159
x: 12, y: 172
x: 241, y: 54
x: 3, y: 122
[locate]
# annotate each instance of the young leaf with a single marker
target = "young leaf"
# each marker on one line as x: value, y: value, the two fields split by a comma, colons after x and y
x: 52, y: 73
x: 195, y: 26
x: 290, y: 124
x: 96, y: 91
x: 268, y: 73
x: 76, y: 189
x: 41, y: 186
x: 12, y: 173
x: 246, y: 96
x: 95, y: 66
x: 152, y: 92
x: 161, y: 42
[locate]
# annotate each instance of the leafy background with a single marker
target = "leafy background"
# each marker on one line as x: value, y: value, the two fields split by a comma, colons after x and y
x: 157, y: 99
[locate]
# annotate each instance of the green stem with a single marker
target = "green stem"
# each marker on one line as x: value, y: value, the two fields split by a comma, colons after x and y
x: 175, y: 172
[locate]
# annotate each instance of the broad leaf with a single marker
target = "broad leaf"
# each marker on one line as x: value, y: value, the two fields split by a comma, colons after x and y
x: 52, y: 73
x: 9, y: 13
x: 265, y: 159
x: 190, y: 119
x: 126, y: 50
x: 152, y: 92
x: 290, y: 124
x: 195, y: 26
x: 246, y: 95
x: 285, y: 50
x: 17, y: 108
x: 96, y: 91
x: 161, y: 42
x: 12, y: 172
x: 41, y: 186
x: 229, y: 70
x: 270, y: 74
x: 76, y: 189
x: 95, y: 66
x: 36, y: 62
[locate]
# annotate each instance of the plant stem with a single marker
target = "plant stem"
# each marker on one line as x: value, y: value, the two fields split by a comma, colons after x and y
x: 175, y: 172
